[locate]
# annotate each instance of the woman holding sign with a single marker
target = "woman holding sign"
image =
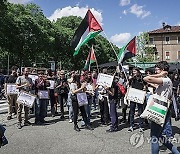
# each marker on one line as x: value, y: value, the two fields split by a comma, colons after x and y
x: 77, y: 88
x: 41, y: 91
x: 136, y: 82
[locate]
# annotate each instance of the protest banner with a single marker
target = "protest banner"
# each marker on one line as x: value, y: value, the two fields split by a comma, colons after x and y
x: 135, y: 95
x: 26, y: 99
x: 11, y: 89
x: 43, y: 94
x: 52, y: 84
x: 105, y: 80
x: 33, y: 77
x: 82, y: 99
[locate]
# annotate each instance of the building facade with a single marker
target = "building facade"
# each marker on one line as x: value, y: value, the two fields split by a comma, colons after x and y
x: 166, y: 43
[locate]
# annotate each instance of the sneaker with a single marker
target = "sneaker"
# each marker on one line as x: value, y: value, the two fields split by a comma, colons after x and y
x: 123, y: 120
x: 76, y: 128
x: 43, y: 121
x: 38, y: 123
x: 70, y: 121
x: 19, y: 126
x: 27, y: 123
x: 89, y: 127
x: 9, y: 117
x: 62, y: 117
x: 130, y: 129
x: 141, y: 130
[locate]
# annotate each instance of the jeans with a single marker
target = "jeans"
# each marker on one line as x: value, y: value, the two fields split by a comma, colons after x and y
x: 113, y: 114
x: 132, y: 112
x: 156, y: 134
x: 88, y: 109
x: 52, y: 101
x: 167, y: 131
x: 40, y: 109
x: 69, y: 104
x: 61, y: 99
x: 94, y: 99
x: 104, y: 110
x: 76, y: 108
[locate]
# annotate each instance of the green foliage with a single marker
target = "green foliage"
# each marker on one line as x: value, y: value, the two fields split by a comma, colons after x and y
x: 29, y: 37
x: 145, y: 52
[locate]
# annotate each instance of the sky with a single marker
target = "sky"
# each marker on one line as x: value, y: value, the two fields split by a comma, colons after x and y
x: 121, y: 20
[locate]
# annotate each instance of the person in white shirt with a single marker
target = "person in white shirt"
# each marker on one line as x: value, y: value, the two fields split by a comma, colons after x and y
x: 164, y: 88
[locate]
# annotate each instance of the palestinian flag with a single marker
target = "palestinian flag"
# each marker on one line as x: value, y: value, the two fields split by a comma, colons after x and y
x: 127, y: 51
x: 87, y: 30
x: 90, y: 59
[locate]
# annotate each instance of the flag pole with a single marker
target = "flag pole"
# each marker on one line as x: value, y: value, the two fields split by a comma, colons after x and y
x: 116, y: 55
x: 96, y: 60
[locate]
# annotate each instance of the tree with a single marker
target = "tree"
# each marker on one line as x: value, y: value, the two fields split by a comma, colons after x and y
x: 145, y: 52
x: 28, y: 37
x: 67, y: 27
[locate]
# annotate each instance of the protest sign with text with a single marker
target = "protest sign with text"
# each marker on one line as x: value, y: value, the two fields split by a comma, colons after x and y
x: 11, y: 89
x: 52, y: 84
x: 135, y: 95
x: 43, y: 94
x: 105, y: 80
x: 26, y: 99
x: 82, y: 99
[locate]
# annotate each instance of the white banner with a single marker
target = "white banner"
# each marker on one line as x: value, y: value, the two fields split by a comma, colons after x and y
x: 105, y: 80
x: 43, y: 94
x: 26, y: 99
x: 11, y: 89
x: 52, y: 84
x: 82, y: 99
x: 136, y: 95
x: 33, y: 77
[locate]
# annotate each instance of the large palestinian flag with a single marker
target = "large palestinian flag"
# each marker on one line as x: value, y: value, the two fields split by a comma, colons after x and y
x: 87, y: 30
x: 90, y: 59
x: 127, y: 51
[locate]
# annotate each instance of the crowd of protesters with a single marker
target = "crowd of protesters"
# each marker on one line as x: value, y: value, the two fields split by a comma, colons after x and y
x: 100, y: 98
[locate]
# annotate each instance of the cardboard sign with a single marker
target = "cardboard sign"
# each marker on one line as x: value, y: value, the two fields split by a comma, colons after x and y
x: 26, y: 99
x: 136, y: 95
x: 43, y: 94
x: 105, y: 80
x: 156, y: 109
x: 52, y: 84
x: 11, y: 89
x: 82, y: 99
x: 33, y: 77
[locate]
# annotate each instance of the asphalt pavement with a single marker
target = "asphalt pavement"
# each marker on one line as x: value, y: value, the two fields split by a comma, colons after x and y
x: 58, y: 137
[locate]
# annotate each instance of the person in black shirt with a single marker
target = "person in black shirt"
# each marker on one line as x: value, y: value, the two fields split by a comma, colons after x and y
x: 62, y: 90
x: 176, y: 91
x: 136, y: 82
x: 113, y: 95
x: 11, y: 79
